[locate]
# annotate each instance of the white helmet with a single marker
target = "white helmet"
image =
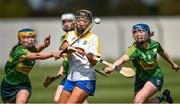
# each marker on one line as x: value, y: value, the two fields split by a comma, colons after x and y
x: 68, y: 16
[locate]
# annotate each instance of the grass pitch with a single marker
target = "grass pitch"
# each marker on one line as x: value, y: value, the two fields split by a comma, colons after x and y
x: 115, y: 89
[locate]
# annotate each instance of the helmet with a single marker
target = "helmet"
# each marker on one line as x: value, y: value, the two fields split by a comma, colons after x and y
x: 141, y: 26
x: 68, y: 16
x: 26, y: 31
x: 84, y: 13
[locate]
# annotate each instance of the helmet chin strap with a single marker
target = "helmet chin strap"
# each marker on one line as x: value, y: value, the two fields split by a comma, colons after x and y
x: 80, y: 31
x: 66, y: 30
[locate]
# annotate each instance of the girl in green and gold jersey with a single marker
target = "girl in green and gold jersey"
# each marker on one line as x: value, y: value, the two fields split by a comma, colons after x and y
x: 16, y: 86
x: 149, y: 76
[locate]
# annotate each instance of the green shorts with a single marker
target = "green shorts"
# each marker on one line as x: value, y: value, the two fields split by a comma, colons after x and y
x: 9, y: 92
x: 139, y: 83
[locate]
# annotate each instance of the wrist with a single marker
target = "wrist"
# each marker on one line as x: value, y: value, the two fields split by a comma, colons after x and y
x: 117, y: 68
x: 51, y: 54
x: 45, y: 45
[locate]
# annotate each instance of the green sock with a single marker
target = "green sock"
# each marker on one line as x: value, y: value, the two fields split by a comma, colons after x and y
x: 161, y: 98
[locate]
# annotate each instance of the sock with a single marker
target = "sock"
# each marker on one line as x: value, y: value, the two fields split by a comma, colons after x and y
x: 161, y: 98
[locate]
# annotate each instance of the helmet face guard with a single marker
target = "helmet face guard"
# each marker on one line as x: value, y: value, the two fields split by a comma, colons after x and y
x: 143, y: 38
x: 26, y: 37
x: 84, y: 13
x: 141, y: 26
x: 70, y: 19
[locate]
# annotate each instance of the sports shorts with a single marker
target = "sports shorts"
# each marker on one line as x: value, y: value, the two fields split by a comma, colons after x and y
x: 9, y: 92
x: 139, y: 83
x: 86, y: 85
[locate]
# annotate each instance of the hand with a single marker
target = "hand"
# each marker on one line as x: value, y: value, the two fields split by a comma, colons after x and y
x: 80, y: 51
x: 108, y: 70
x: 175, y: 67
x: 47, y: 41
x: 57, y: 54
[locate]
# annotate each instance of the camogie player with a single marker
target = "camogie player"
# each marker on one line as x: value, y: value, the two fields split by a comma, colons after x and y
x: 81, y: 80
x: 16, y: 86
x: 68, y: 24
x: 149, y: 76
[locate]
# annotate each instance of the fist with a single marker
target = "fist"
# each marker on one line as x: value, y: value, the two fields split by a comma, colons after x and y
x: 57, y: 54
x: 47, y: 40
x: 108, y: 70
x: 80, y: 51
x: 175, y: 67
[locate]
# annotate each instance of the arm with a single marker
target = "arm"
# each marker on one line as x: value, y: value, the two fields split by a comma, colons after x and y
x: 42, y: 55
x: 46, y: 44
x: 121, y: 60
x: 91, y: 59
x: 169, y: 60
x: 118, y: 62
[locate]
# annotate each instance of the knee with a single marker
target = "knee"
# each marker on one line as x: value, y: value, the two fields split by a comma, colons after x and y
x: 21, y: 101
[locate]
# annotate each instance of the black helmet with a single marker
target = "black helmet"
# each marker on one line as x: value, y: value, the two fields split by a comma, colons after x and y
x: 84, y: 13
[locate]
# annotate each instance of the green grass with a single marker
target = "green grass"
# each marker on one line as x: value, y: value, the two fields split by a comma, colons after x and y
x: 114, y: 89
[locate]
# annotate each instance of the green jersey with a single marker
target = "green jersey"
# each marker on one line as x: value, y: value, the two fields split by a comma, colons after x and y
x: 145, y: 60
x: 17, y: 67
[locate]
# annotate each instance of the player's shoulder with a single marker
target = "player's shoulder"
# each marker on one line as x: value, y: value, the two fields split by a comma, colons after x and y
x: 20, y: 50
x: 133, y: 47
x: 92, y: 35
x: 70, y: 33
x: 154, y: 42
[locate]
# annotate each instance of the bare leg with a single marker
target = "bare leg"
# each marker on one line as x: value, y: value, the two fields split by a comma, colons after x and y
x: 147, y: 91
x: 58, y: 93
x: 64, y: 97
x: 78, y: 96
x: 22, y: 96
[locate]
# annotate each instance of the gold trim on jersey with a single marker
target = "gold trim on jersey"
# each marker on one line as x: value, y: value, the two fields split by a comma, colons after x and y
x: 131, y: 50
x: 99, y: 47
x: 10, y: 59
x: 147, y: 66
x: 23, y: 68
x: 23, y: 57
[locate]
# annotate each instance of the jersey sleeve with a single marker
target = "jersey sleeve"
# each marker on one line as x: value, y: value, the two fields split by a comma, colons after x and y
x: 159, y: 48
x: 69, y: 37
x: 132, y: 52
x: 23, y: 54
x: 61, y: 40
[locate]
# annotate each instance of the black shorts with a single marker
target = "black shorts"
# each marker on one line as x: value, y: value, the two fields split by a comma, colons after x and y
x: 9, y: 92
